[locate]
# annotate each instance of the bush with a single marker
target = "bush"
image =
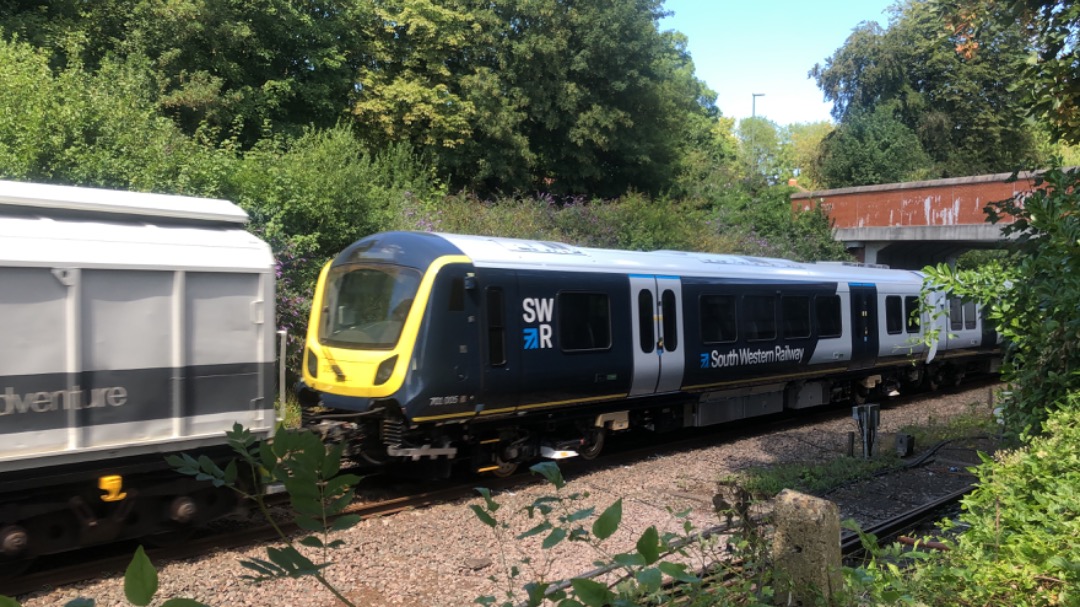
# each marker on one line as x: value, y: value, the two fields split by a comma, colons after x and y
x: 1032, y: 298
x: 1021, y: 539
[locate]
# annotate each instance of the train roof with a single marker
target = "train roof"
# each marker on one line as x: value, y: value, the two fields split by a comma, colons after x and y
x: 63, y: 226
x: 419, y: 249
x: 46, y: 197
x: 488, y: 251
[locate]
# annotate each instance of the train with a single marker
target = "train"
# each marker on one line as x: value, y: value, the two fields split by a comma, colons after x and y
x: 497, y: 351
x: 136, y: 326
x: 133, y: 326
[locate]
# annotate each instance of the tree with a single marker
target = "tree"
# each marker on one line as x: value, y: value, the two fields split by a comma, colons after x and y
x: 802, y: 141
x: 870, y: 147
x: 541, y: 94
x: 97, y: 128
x: 965, y: 113
x: 759, y: 146
x: 1031, y: 298
x: 240, y: 66
x: 1051, y: 82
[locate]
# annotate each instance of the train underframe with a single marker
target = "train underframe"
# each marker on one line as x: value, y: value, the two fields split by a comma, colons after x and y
x: 496, y: 446
x: 55, y: 510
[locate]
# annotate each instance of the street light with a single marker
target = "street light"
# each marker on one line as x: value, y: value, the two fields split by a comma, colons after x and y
x: 753, y: 104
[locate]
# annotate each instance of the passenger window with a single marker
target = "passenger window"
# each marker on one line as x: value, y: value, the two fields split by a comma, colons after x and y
x: 827, y: 308
x: 970, y: 315
x: 795, y: 312
x: 894, y: 315
x: 584, y: 321
x: 646, y: 321
x: 760, y: 317
x: 718, y: 319
x: 671, y: 325
x: 911, y: 313
x: 496, y: 327
x: 956, y: 314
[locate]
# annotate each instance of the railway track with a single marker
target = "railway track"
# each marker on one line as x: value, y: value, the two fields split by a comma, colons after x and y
x: 892, y: 528
x: 118, y: 556
x: 84, y: 566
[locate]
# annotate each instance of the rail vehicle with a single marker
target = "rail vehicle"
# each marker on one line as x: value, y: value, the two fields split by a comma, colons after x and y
x: 495, y: 351
x: 132, y: 326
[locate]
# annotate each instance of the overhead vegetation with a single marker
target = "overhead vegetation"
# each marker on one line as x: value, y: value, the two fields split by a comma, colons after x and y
x: 955, y: 114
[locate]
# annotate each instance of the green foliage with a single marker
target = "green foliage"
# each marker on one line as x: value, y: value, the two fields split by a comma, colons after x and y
x: 1046, y: 79
x: 803, y: 141
x: 1020, y: 537
x: 816, y: 477
x: 95, y: 128
x: 966, y: 116
x: 310, y: 473
x: 627, y: 579
x: 320, y: 212
x: 582, y: 99
x: 760, y: 153
x: 869, y: 148
x: 978, y: 420
x: 238, y: 66
x: 765, y: 225
x: 1032, y: 299
x: 140, y: 579
x: 820, y: 477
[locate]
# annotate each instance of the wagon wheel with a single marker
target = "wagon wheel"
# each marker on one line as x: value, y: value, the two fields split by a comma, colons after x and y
x: 594, y: 444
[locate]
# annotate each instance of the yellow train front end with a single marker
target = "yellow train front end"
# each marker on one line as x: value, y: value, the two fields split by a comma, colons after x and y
x: 367, y: 338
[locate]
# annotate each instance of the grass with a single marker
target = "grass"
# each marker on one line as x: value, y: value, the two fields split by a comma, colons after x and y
x: 978, y: 420
x: 290, y: 411
x: 817, y: 478
x: 821, y: 477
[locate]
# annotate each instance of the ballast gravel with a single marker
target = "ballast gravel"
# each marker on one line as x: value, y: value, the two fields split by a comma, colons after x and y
x: 443, y: 556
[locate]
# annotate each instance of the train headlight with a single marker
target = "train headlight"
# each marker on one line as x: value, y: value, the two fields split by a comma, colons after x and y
x: 312, y: 363
x: 386, y: 369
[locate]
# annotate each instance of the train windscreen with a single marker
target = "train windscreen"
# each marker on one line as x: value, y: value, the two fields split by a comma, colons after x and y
x: 365, y: 307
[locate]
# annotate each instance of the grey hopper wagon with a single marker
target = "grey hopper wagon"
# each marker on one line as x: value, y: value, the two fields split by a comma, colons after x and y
x: 132, y: 325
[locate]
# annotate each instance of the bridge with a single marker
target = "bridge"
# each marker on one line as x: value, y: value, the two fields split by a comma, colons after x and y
x: 914, y: 224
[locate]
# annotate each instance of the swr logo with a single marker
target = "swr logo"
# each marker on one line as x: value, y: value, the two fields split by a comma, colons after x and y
x: 535, y: 309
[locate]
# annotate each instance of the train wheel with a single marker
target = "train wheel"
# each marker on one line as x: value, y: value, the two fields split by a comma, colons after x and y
x: 594, y: 444
x: 504, y: 469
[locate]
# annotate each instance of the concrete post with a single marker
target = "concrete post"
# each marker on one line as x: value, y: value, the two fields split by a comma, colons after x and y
x: 806, y: 549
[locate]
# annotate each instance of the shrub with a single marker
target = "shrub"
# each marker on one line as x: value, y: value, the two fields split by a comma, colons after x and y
x: 1032, y: 298
x: 1021, y: 533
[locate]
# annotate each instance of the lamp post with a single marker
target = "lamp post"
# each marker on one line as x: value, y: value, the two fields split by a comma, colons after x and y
x: 753, y: 103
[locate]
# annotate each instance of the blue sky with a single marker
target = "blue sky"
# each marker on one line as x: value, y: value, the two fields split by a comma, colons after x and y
x: 743, y: 47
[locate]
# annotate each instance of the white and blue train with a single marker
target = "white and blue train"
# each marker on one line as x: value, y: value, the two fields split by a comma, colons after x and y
x: 497, y: 350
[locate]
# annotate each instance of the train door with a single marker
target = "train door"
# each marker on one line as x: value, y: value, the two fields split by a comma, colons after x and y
x: 500, y: 359
x: 656, y: 316
x: 864, y: 335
